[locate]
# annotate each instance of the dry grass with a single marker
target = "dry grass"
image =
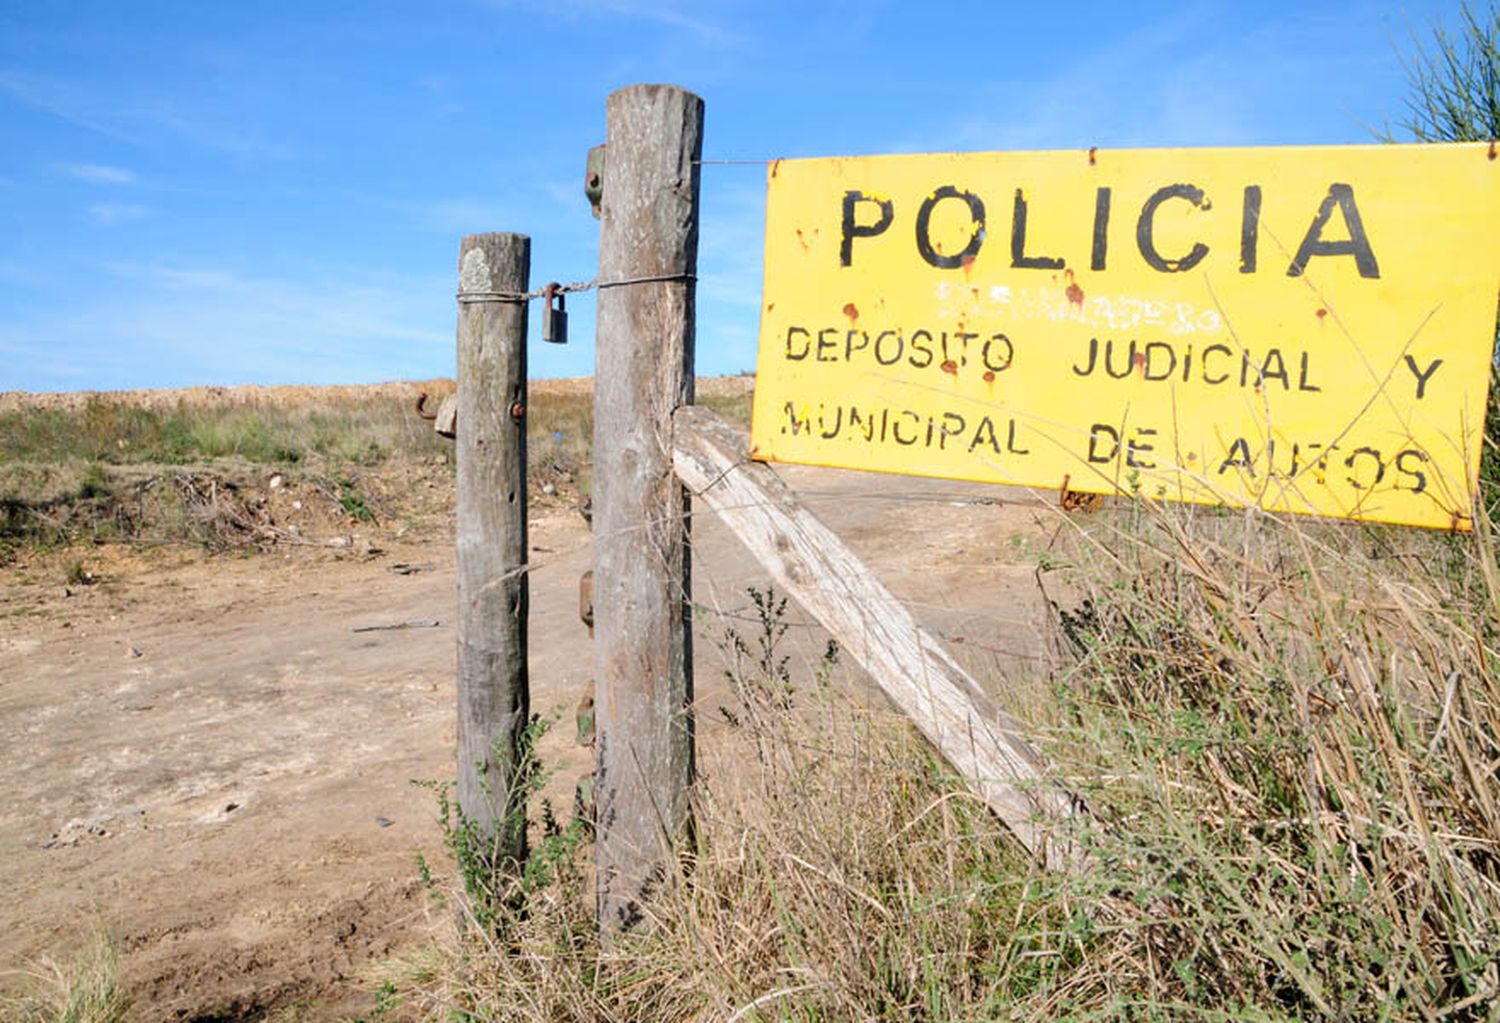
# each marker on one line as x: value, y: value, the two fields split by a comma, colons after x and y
x: 1289, y: 735
x: 84, y: 990
x: 194, y: 471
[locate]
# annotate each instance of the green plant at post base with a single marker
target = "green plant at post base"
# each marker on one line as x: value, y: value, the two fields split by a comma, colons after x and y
x: 759, y: 672
x: 497, y: 883
x: 354, y: 503
x: 1455, y: 97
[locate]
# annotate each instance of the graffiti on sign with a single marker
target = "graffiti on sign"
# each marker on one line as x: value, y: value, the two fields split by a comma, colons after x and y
x: 1303, y: 329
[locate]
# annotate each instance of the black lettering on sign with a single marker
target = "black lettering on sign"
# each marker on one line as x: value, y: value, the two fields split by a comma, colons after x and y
x: 1419, y: 478
x: 1108, y: 434
x: 1093, y: 358
x: 1137, y: 446
x: 963, y: 340
x: 921, y: 349
x: 1109, y: 362
x: 1204, y: 360
x: 1302, y: 381
x: 924, y: 224
x: 850, y: 347
x: 1422, y: 377
x: 1010, y: 441
x: 793, y: 423
x: 852, y: 229
x: 827, y: 343
x: 998, y: 353
x: 1356, y: 245
x: 953, y: 426
x: 859, y: 422
x: 896, y: 429
x: 1145, y: 229
x: 1250, y: 229
x: 985, y: 434
x: 881, y: 347
x: 838, y: 424
x: 1238, y: 457
x: 1166, y: 370
x: 1374, y: 456
x: 1018, y: 257
x: 796, y: 354
x: 1100, y: 250
x: 1267, y: 372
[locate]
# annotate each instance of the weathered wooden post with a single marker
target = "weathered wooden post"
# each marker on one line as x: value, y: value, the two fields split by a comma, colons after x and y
x: 493, y: 699
x: 648, y: 253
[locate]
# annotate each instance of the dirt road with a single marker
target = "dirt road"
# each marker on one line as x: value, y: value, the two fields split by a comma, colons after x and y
x: 204, y: 757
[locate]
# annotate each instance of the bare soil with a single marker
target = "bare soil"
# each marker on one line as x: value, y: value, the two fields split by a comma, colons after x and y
x: 209, y: 759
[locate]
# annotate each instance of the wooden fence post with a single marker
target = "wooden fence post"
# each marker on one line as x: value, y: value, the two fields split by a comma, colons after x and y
x: 493, y: 699
x: 648, y: 252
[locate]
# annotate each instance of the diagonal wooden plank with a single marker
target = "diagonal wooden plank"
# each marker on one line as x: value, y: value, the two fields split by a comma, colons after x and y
x: 981, y: 741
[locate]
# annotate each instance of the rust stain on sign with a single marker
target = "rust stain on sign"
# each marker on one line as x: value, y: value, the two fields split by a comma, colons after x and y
x: 1151, y: 316
x: 1073, y: 291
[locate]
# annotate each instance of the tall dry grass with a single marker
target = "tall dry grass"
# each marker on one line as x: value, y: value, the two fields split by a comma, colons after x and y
x: 84, y: 989
x: 1288, y: 733
x: 108, y: 469
x: 364, y: 431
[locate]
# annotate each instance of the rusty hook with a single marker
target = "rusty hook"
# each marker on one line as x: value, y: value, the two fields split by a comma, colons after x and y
x: 422, y: 411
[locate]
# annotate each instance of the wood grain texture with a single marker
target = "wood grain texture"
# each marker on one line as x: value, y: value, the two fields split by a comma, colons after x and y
x: 982, y: 742
x: 644, y: 370
x: 493, y: 699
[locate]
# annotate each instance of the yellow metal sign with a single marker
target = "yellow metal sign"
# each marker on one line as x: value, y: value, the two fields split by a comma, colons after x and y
x: 1304, y: 329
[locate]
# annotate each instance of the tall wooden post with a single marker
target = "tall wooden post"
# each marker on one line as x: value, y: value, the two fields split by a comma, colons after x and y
x: 648, y: 254
x: 493, y: 699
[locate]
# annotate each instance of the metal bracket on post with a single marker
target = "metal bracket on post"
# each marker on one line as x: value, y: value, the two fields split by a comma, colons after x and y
x: 593, y: 178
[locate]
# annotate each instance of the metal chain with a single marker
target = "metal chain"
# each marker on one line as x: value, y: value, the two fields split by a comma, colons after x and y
x: 517, y: 297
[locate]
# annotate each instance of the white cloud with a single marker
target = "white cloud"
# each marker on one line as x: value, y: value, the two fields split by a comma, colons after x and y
x: 97, y: 173
x: 63, y: 100
x: 132, y: 118
x: 109, y: 214
x: 176, y: 278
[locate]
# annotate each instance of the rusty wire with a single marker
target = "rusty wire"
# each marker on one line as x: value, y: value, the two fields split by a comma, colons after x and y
x: 517, y: 297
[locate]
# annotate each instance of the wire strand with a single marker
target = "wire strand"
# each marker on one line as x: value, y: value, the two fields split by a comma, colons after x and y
x: 518, y: 297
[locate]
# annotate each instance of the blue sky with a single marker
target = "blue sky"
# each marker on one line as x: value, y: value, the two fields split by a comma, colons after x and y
x: 274, y: 192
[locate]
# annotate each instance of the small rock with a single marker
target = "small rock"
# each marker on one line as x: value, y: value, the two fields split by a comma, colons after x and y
x: 131, y: 651
x: 276, y: 481
x: 231, y: 807
x: 297, y: 505
x: 384, y: 822
x: 549, y: 489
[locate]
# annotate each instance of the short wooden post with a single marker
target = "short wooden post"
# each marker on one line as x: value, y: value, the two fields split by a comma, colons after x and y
x: 493, y: 699
x: 648, y: 253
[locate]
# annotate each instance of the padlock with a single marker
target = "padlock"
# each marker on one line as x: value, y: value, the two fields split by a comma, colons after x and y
x: 555, y: 321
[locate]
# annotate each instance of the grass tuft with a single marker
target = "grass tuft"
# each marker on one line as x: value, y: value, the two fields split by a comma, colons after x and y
x: 84, y: 990
x: 1288, y: 733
